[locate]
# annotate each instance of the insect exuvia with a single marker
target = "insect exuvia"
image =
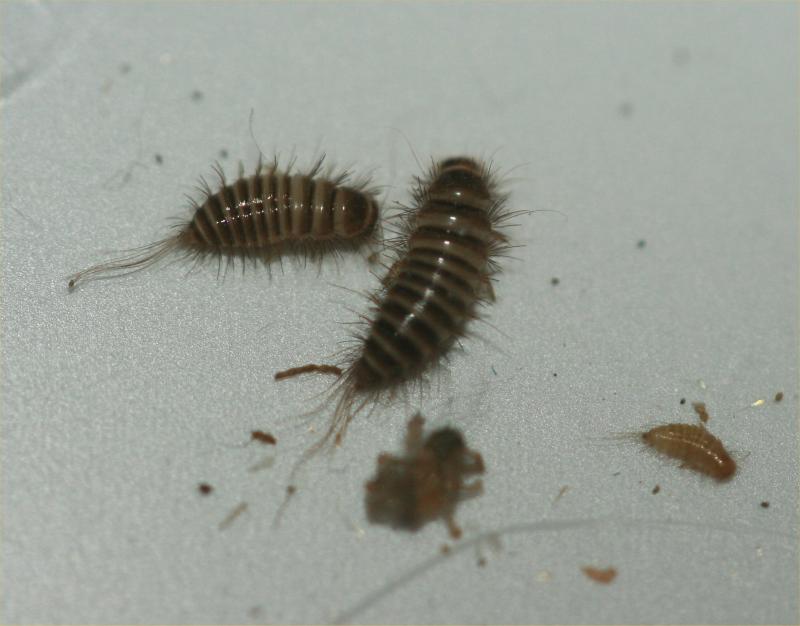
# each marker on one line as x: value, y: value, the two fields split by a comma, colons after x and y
x: 695, y: 446
x: 261, y: 217
x: 443, y: 268
x: 426, y: 483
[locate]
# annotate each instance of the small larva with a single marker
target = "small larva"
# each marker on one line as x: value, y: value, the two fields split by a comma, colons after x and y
x: 695, y: 446
x: 426, y: 483
x: 261, y: 217
x: 443, y: 269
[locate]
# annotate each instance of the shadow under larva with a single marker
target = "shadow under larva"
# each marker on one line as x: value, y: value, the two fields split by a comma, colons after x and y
x: 262, y: 217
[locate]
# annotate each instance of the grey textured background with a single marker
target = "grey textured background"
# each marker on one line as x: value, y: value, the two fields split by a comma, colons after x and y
x: 672, y: 123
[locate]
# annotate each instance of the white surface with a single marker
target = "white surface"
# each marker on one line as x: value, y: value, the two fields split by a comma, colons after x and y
x: 676, y: 124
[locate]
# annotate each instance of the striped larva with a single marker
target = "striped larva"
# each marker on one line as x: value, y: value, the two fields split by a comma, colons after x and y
x: 263, y: 216
x: 443, y: 269
x: 695, y: 446
x: 426, y: 483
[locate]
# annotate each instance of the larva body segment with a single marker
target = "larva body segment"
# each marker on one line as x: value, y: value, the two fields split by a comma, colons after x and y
x: 263, y: 216
x: 695, y: 446
x: 444, y: 264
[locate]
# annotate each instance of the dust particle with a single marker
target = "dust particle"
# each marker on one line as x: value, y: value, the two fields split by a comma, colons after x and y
x: 223, y: 154
x: 765, y: 505
x: 625, y: 109
x: 197, y: 95
x: 656, y: 489
x: 159, y: 159
x: 544, y: 576
x: 779, y: 396
x: 641, y: 243
x: 205, y: 488
x: 561, y: 493
x: 124, y: 68
x: 683, y: 400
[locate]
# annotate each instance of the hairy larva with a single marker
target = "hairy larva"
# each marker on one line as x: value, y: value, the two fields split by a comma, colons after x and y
x: 695, y: 446
x: 444, y: 263
x: 426, y: 483
x: 261, y: 217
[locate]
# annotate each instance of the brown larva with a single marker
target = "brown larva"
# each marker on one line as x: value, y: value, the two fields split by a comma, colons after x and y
x: 443, y: 269
x: 426, y: 483
x: 263, y: 216
x: 695, y: 446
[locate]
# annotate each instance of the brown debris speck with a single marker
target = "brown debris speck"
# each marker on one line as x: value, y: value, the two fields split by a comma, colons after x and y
x: 765, y: 505
x: 603, y: 576
x: 205, y: 488
x: 230, y: 517
x: 700, y: 409
x: 265, y: 438
x: 656, y: 489
x: 561, y: 492
x: 305, y: 369
x: 779, y: 396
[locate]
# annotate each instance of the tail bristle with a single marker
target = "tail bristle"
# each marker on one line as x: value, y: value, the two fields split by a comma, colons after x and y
x: 136, y: 259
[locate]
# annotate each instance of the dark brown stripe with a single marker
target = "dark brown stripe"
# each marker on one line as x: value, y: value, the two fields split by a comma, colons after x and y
x: 479, y: 246
x: 384, y: 364
x: 399, y: 341
x: 454, y: 305
x: 439, y: 276
x: 234, y: 220
x: 283, y: 197
x: 423, y: 333
x: 271, y: 225
x: 409, y: 295
x: 244, y: 199
x: 466, y: 262
x: 257, y: 210
x: 216, y: 217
